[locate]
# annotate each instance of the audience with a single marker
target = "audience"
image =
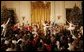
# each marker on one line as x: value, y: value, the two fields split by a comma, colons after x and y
x: 57, y: 39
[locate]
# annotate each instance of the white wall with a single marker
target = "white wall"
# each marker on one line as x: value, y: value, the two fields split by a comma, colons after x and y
x: 52, y: 11
x: 23, y: 9
x: 58, y: 8
x: 60, y: 11
x: 70, y: 4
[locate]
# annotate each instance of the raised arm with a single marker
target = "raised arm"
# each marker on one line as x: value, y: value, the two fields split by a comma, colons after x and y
x: 67, y: 22
x: 7, y: 21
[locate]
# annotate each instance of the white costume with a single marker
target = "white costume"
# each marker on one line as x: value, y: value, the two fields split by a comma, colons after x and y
x: 14, y: 41
x: 4, y: 27
x: 10, y: 49
x: 58, y: 44
x: 45, y: 27
x: 6, y: 42
x: 71, y: 28
x: 81, y: 29
x: 70, y: 48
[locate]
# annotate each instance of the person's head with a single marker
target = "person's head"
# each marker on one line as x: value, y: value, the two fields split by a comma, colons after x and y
x: 12, y: 45
x: 2, y: 41
x: 6, y: 42
x: 48, y: 41
x: 45, y: 22
x: 28, y: 24
x: 70, y: 21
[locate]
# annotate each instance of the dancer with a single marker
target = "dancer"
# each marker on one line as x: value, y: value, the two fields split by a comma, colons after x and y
x: 71, y: 28
x: 45, y: 27
x: 4, y: 26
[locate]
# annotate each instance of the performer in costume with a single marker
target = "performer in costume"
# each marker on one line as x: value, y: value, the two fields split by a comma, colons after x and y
x: 4, y: 25
x: 71, y: 28
x: 45, y: 26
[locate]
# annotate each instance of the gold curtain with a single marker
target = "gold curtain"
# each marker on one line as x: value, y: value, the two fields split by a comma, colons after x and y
x: 40, y: 11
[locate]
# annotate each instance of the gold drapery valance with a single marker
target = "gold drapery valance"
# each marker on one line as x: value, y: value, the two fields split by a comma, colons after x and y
x: 40, y: 4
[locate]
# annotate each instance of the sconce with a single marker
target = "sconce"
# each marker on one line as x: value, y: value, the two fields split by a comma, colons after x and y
x: 23, y: 18
x: 23, y: 21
